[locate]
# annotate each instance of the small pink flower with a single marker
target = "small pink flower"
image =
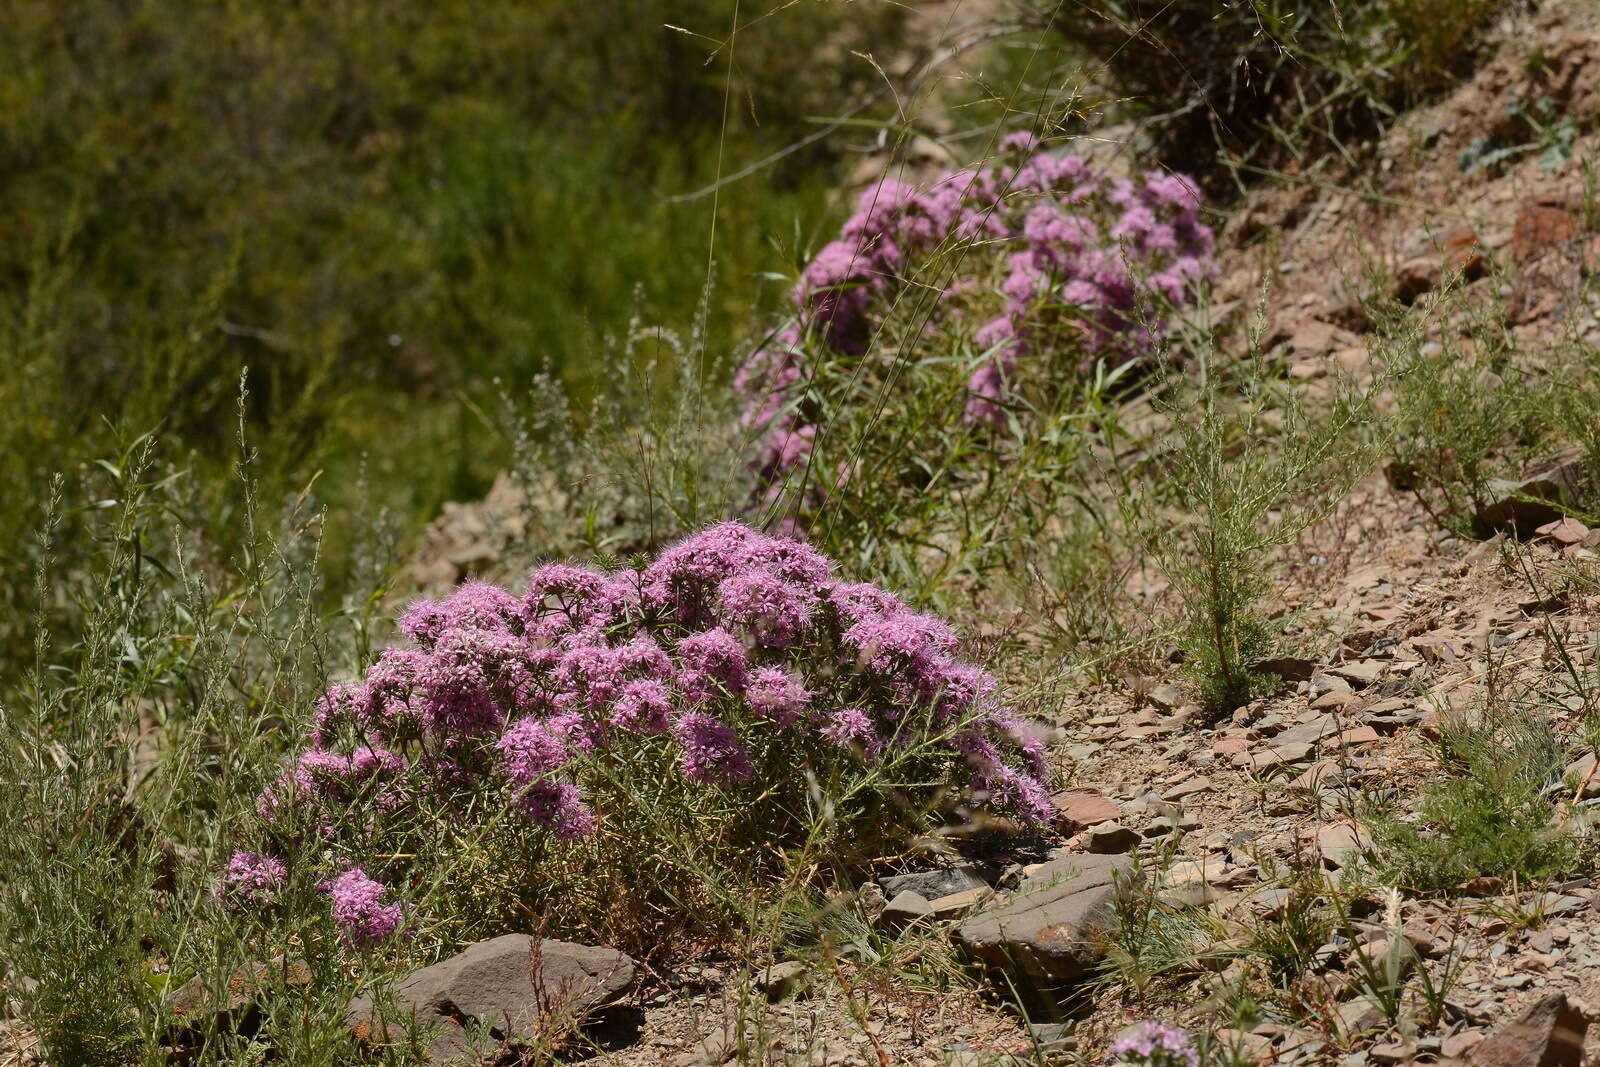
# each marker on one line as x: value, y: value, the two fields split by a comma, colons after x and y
x: 357, y: 902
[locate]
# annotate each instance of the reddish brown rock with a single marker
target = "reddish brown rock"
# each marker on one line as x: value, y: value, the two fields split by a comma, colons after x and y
x: 1360, y: 674
x: 1564, y: 531
x: 1417, y: 276
x: 1549, y: 1033
x: 1111, y: 839
x: 1360, y: 735
x: 1591, y: 257
x: 1542, y: 225
x: 1521, y: 507
x: 1079, y: 809
x: 1339, y: 843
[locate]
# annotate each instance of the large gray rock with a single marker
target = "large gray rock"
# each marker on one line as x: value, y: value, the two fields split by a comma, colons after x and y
x: 1550, y: 1033
x: 939, y: 882
x: 507, y: 986
x: 905, y: 910
x: 1051, y: 930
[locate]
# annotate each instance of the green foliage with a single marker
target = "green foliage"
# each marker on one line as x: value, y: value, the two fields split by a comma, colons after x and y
x: 1475, y: 402
x: 939, y: 503
x: 1537, y: 129
x: 130, y: 751
x: 659, y: 452
x: 1288, y: 943
x: 373, y: 212
x: 1488, y: 811
x: 1247, y: 466
x: 1459, y: 400
x: 1255, y: 82
x: 1151, y: 939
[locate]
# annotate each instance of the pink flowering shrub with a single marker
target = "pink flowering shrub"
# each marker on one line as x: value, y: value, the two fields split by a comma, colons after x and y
x: 1154, y: 1044
x: 736, y: 666
x: 1034, y: 255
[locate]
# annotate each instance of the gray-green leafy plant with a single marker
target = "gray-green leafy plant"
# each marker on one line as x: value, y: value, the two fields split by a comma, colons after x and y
x: 1244, y: 467
x: 1490, y: 809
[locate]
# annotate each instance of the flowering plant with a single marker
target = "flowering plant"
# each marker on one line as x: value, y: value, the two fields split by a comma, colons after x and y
x: 738, y: 660
x: 1032, y: 255
x: 1153, y: 1044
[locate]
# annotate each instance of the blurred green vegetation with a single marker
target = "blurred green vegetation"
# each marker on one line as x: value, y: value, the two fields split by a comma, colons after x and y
x: 378, y: 208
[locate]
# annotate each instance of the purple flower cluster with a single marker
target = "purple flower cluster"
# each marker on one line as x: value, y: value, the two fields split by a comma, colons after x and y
x: 251, y: 880
x: 358, y: 909
x: 728, y: 642
x: 1078, y: 250
x: 1154, y: 1044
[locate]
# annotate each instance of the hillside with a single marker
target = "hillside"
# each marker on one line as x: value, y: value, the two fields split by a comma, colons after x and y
x: 1120, y: 600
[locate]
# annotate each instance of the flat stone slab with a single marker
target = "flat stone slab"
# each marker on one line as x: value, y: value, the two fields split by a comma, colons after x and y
x: 1077, y: 809
x: 504, y: 986
x: 939, y: 882
x: 1049, y: 930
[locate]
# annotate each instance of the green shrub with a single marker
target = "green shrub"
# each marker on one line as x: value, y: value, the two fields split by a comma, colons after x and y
x: 1476, y: 403
x: 1256, y: 82
x: 1247, y: 466
x: 1490, y: 809
x: 129, y: 750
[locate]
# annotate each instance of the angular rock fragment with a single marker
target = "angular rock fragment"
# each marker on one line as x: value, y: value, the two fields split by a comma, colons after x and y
x: 904, y: 910
x: 1051, y: 931
x: 939, y: 882
x: 1550, y: 1033
x: 1078, y: 809
x: 1521, y: 507
x: 1360, y: 674
x: 507, y: 986
x: 1112, y: 839
x: 1289, y: 668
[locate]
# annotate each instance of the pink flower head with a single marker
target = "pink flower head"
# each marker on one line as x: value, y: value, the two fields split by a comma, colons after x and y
x: 774, y: 612
x: 713, y: 662
x: 251, y: 880
x: 592, y: 674
x: 985, y: 395
x: 529, y: 751
x: 712, y: 751
x: 390, y: 683
x: 1021, y: 141
x: 573, y: 593
x: 645, y: 707
x: 918, y: 644
x: 685, y: 576
x: 474, y: 606
x: 341, y: 707
x: 328, y: 776
x: 862, y: 601
x: 852, y: 728
x: 357, y: 903
x: 1153, y: 1044
x: 776, y: 694
x: 558, y: 807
